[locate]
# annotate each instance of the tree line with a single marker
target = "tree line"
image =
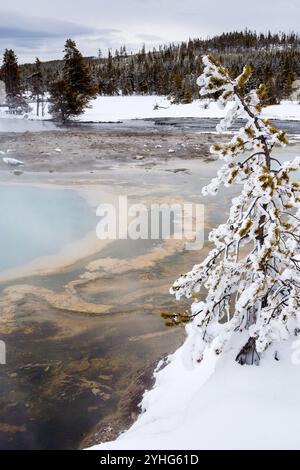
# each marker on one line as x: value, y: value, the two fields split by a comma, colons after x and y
x: 169, y: 70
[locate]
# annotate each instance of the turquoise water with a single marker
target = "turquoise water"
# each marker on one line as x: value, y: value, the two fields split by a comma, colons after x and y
x: 37, y: 222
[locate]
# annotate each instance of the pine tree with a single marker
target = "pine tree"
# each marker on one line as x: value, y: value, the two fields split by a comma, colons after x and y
x: 271, y: 96
x: 251, y: 278
x: 187, y: 93
x: 11, y: 77
x: 38, y: 86
x: 288, y: 75
x: 76, y: 86
x: 76, y: 73
x: 288, y: 85
x: 10, y: 73
x: 60, y: 98
x: 177, y: 91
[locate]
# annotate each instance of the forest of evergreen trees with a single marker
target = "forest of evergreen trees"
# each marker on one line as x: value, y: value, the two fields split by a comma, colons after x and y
x: 172, y: 70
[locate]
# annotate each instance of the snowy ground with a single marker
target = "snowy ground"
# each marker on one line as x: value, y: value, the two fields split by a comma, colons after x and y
x: 116, y: 108
x: 232, y: 407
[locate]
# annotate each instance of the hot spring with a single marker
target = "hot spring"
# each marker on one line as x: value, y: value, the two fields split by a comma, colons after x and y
x: 37, y: 222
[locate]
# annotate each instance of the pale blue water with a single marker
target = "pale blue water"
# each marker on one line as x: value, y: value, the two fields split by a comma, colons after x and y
x: 288, y: 153
x: 37, y: 222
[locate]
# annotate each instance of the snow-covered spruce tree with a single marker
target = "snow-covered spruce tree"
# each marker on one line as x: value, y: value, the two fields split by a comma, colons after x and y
x: 250, y: 281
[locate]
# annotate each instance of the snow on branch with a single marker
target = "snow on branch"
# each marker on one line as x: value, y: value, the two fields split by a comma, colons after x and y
x: 250, y: 281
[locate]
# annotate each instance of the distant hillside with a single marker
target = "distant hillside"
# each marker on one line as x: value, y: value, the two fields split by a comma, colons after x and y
x: 173, y: 69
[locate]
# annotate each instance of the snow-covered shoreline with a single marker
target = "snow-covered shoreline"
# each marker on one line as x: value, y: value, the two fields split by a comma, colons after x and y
x: 239, y: 407
x: 117, y: 108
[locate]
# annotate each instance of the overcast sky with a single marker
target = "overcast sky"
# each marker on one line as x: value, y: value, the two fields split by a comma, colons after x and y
x: 40, y: 27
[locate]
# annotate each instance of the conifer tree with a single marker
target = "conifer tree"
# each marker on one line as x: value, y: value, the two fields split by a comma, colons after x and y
x: 271, y: 93
x: 187, y: 93
x: 177, y: 92
x: 60, y: 98
x: 288, y: 76
x: 250, y: 280
x: 288, y: 85
x: 72, y: 93
x: 11, y: 77
x: 10, y: 73
x: 38, y: 86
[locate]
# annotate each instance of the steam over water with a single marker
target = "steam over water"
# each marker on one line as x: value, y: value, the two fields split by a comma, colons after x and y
x: 36, y: 222
x: 24, y: 125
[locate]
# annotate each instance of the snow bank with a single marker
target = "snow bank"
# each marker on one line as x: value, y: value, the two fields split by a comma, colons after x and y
x: 118, y: 108
x: 288, y: 110
x: 113, y: 108
x: 235, y: 407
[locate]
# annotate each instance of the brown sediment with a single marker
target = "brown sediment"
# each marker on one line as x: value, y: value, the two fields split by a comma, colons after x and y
x: 113, y: 297
x: 74, y: 349
x: 69, y: 299
x: 128, y: 411
x: 85, y: 377
x: 85, y: 149
x: 11, y: 428
x: 29, y: 311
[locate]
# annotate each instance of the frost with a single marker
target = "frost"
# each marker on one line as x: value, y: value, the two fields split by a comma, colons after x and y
x: 250, y: 280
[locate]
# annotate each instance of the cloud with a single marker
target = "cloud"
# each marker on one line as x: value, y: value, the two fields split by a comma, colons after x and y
x: 35, y: 35
x: 21, y: 25
x: 149, y: 37
x: 101, y: 24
